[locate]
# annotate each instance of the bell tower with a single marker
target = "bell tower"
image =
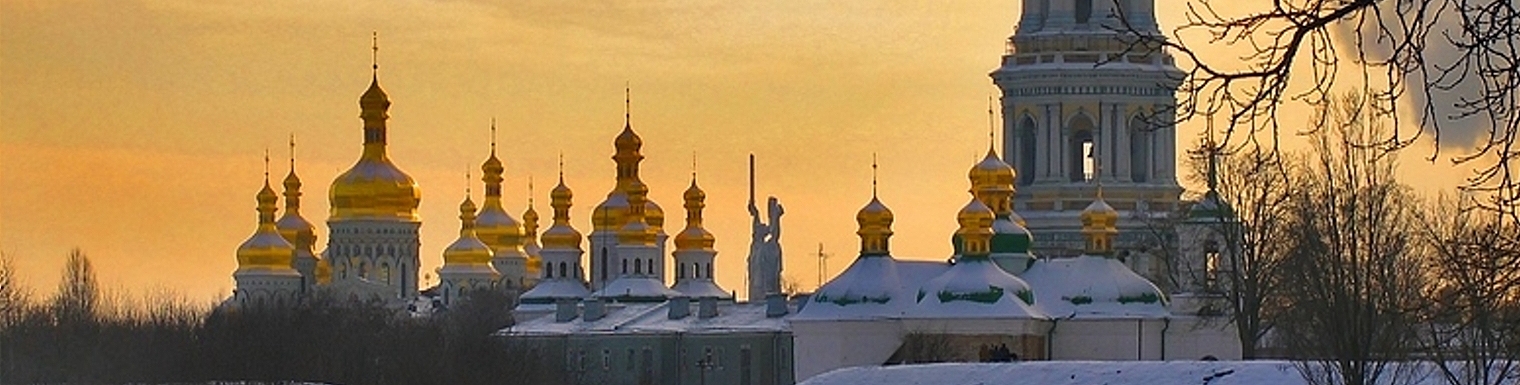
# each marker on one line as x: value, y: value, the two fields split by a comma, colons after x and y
x: 1076, y: 92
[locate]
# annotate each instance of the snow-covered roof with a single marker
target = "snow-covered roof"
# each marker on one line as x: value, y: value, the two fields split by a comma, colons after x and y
x: 975, y: 288
x: 635, y: 289
x: 1093, y: 287
x: 700, y: 288
x: 872, y: 287
x: 546, y: 291
x: 653, y: 318
x: 1072, y: 373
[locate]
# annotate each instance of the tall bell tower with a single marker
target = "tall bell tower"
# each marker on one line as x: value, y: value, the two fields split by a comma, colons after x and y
x: 1075, y: 91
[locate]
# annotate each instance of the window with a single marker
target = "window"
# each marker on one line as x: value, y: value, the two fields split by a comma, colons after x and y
x: 1139, y: 150
x: 745, y: 369
x: 1081, y: 152
x: 1027, y: 143
x: 603, y: 269
x: 1083, y: 10
x: 680, y: 270
x: 638, y: 266
x: 625, y: 266
x: 629, y: 364
x: 562, y: 270
x: 606, y: 359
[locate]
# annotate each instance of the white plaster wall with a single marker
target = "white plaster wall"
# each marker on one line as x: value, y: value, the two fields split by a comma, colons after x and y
x: 821, y: 346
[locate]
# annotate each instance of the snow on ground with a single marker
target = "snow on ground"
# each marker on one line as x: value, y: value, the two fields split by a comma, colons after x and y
x: 1079, y: 373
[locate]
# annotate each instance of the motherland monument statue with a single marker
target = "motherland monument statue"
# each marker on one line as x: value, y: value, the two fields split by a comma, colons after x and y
x: 765, y: 244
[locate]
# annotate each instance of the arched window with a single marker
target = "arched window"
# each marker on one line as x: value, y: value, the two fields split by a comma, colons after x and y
x: 363, y: 270
x: 1083, y: 10
x: 1080, y: 151
x: 385, y: 272
x: 709, y: 270
x: 603, y: 269
x: 638, y: 266
x: 651, y: 266
x: 1027, y: 143
x: 625, y: 266
x: 680, y: 270
x: 562, y: 270
x: 1139, y: 150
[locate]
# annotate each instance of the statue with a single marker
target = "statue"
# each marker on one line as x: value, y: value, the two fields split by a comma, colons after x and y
x: 765, y: 244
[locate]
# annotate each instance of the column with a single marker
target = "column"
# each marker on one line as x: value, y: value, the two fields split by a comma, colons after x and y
x: 1123, y: 164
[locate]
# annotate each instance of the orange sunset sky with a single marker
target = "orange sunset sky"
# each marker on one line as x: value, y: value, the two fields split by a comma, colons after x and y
x: 135, y: 130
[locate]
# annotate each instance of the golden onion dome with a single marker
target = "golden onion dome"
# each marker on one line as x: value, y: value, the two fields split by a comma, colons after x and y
x: 875, y: 221
x: 266, y: 249
x: 975, y: 228
x: 530, y: 222
x: 991, y: 173
x: 628, y: 141
x: 295, y: 228
x: 1099, y: 216
x: 609, y: 215
x: 468, y: 249
x: 494, y: 225
x: 561, y: 235
x: 694, y: 236
x: 374, y: 188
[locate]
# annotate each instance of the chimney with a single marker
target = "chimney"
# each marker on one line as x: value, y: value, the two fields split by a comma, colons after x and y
x: 564, y: 310
x: 707, y: 307
x: 680, y: 307
x: 595, y: 310
x: 775, y: 305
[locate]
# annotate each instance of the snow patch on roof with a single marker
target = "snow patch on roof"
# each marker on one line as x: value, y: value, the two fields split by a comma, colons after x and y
x: 1093, y: 287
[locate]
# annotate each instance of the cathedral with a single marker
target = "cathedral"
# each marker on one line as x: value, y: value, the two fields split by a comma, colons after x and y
x: 1056, y: 256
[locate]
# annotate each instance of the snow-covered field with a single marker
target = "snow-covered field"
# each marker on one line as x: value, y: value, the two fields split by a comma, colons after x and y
x: 1080, y: 373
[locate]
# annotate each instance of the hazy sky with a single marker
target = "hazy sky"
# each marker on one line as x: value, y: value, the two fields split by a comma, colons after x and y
x: 135, y: 129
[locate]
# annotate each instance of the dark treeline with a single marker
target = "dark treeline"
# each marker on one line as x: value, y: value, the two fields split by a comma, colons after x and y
x: 77, y: 336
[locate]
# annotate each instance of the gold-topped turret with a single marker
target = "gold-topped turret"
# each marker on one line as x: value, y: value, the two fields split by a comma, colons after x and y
x: 374, y: 188
x: 468, y: 249
x: 561, y: 235
x: 530, y: 236
x: 636, y: 231
x: 266, y: 249
x: 494, y: 226
x: 875, y: 221
x: 610, y: 215
x: 992, y: 182
x: 295, y: 228
x: 694, y: 236
x: 1099, y: 223
x: 975, y: 229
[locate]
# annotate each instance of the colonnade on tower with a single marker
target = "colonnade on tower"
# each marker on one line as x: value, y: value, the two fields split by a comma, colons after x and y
x: 1075, y: 93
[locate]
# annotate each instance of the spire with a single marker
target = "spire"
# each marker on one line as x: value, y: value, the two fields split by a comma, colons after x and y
x: 292, y: 182
x: 991, y: 126
x: 491, y: 172
x: 627, y: 145
x: 530, y: 217
x: 560, y: 234
x: 694, y: 236
x: 373, y: 107
x: 875, y: 221
x: 267, y: 198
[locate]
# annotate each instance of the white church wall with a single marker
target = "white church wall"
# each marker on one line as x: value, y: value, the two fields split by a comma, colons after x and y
x: 821, y: 346
x: 1192, y: 338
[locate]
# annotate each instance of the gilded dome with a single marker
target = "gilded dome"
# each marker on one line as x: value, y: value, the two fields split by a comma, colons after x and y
x: 375, y: 189
x: 1099, y: 215
x: 266, y: 249
x: 609, y: 214
x: 468, y: 249
x: 628, y: 141
x: 975, y: 228
x: 636, y: 231
x: 991, y: 173
x: 875, y: 221
x: 561, y: 235
x: 295, y: 228
x: 694, y: 236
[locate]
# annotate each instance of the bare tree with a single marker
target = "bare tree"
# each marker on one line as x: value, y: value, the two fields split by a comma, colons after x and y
x: 1350, y: 274
x: 14, y: 298
x: 78, y: 295
x: 1474, y: 326
x: 1244, y: 211
x: 1453, y: 66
